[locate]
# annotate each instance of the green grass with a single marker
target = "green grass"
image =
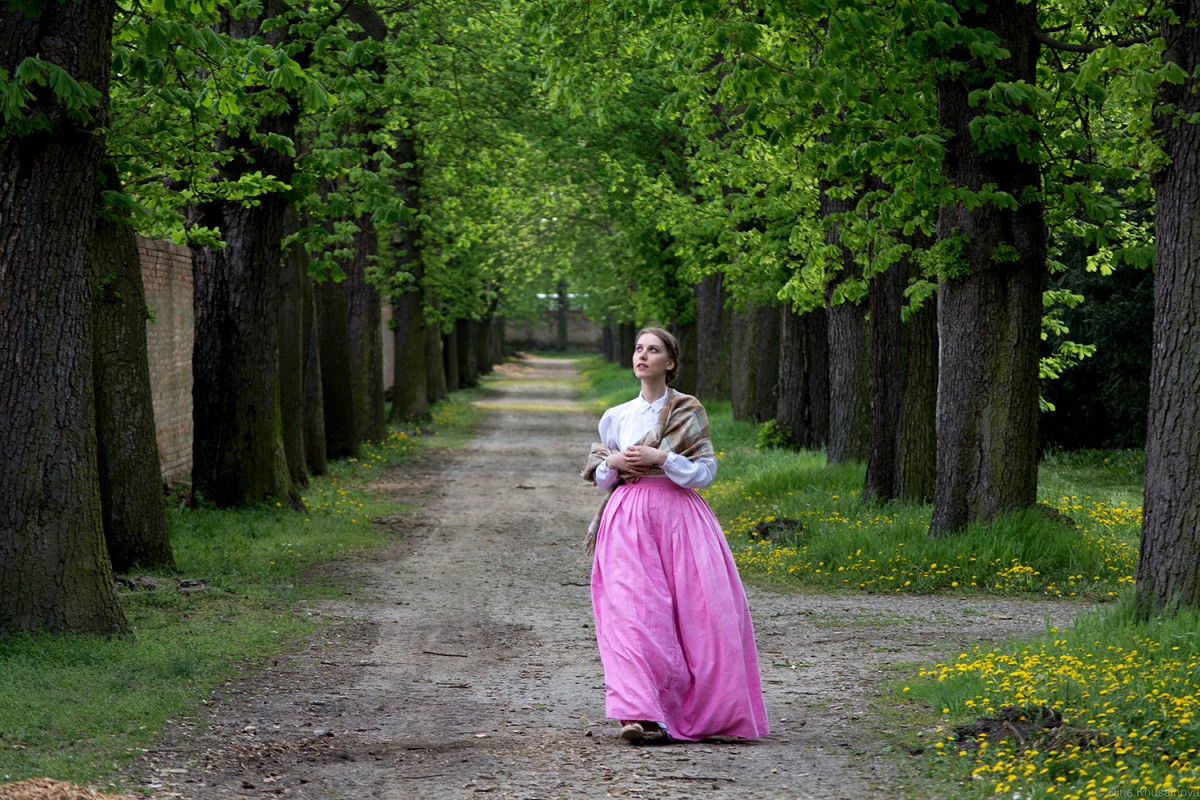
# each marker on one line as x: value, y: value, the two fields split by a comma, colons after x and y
x: 77, y: 708
x: 1128, y: 696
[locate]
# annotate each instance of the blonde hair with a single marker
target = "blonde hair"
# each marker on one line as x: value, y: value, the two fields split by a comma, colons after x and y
x: 669, y: 342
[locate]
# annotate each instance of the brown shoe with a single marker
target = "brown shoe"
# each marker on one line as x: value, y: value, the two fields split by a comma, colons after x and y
x: 632, y: 731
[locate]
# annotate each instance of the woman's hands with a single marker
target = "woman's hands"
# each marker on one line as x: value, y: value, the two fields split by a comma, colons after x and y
x: 638, y: 459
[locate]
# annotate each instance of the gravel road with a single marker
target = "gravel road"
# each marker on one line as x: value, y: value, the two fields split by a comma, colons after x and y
x: 462, y: 663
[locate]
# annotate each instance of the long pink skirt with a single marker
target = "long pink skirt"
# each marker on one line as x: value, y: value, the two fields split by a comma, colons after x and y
x: 672, y: 620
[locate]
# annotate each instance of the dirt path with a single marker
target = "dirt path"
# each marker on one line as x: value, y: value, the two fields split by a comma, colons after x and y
x: 463, y: 664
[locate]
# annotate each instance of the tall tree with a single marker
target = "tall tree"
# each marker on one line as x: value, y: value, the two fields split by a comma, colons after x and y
x: 411, y: 390
x: 131, y: 490
x: 238, y: 453
x: 992, y: 258
x: 1168, y: 573
x: 849, y: 349
x: 54, y: 572
x: 755, y: 352
x: 803, y: 406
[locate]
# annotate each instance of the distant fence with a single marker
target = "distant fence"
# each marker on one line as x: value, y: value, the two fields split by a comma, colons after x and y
x: 582, y: 333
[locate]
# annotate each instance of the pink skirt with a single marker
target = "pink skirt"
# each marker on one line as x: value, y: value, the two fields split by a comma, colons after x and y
x: 672, y: 621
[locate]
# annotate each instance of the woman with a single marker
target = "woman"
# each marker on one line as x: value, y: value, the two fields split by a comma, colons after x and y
x: 672, y: 621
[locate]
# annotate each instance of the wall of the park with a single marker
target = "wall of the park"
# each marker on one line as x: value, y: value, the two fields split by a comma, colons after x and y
x: 167, y: 276
x: 542, y: 334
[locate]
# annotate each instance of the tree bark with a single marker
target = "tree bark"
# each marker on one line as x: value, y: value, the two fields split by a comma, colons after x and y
x: 989, y: 296
x: 54, y: 572
x: 685, y: 334
x: 342, y: 424
x: 364, y: 310
x: 887, y: 385
x: 903, y: 453
x: 1168, y: 576
x: 238, y: 454
x: 916, y: 469
x: 435, y: 365
x: 849, y: 353
x: 483, y: 344
x: 802, y: 410
x: 562, y: 315
x: 712, y: 340
x: 410, y: 389
x: 292, y: 277
x: 499, y: 337
x: 468, y: 364
x: 626, y: 334
x: 131, y: 486
x: 315, y: 451
x: 450, y: 359
x: 754, y: 344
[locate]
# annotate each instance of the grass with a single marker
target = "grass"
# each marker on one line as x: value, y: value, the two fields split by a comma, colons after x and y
x: 77, y: 708
x: 1128, y: 693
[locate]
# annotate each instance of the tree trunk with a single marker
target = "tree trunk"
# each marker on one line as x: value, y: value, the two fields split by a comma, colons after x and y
x: 131, y: 486
x: 849, y: 384
x: 483, y: 345
x: 342, y: 425
x: 410, y: 389
x: 364, y: 312
x: 916, y: 470
x: 608, y: 342
x: 416, y: 345
x: 435, y: 365
x: 754, y: 345
x: 1168, y: 575
x: 499, y: 335
x: 712, y: 340
x: 450, y: 359
x: 989, y: 297
x: 802, y: 411
x: 685, y: 334
x: 292, y: 277
x: 54, y: 572
x: 903, y: 452
x: 468, y: 371
x: 887, y: 385
x: 626, y: 335
x: 238, y: 454
x: 562, y: 315
x: 315, y: 450
x: 849, y: 354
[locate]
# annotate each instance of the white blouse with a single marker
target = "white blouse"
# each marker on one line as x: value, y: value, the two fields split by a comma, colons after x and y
x: 623, y: 425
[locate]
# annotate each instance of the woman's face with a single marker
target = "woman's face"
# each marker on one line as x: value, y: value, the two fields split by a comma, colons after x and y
x: 650, y: 359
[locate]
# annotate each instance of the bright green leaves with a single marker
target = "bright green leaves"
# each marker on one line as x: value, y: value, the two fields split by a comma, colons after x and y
x: 33, y: 89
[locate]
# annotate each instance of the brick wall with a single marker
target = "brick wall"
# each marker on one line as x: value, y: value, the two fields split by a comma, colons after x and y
x: 167, y: 275
x: 582, y: 333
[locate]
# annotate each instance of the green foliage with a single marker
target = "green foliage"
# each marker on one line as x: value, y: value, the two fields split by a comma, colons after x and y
x: 1126, y: 693
x: 24, y: 87
x: 773, y: 436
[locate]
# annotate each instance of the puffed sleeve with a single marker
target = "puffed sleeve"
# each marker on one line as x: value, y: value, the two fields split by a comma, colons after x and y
x: 689, y: 474
x: 609, y: 428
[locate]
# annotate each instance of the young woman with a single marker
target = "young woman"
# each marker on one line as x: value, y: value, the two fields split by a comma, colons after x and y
x: 672, y: 622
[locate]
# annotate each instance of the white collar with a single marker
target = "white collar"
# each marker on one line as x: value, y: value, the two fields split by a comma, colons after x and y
x: 656, y: 406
